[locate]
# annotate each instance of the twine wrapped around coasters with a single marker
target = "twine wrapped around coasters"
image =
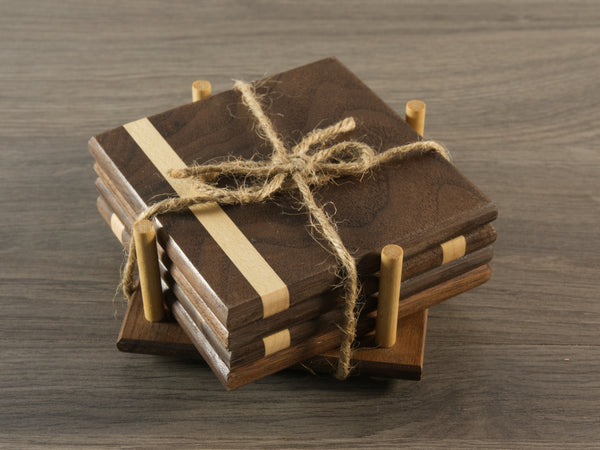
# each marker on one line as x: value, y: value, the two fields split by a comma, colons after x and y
x: 299, y: 169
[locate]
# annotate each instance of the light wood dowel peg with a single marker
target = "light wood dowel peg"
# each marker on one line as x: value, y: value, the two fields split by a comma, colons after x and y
x: 390, y: 278
x: 415, y: 115
x: 147, y: 257
x: 201, y: 89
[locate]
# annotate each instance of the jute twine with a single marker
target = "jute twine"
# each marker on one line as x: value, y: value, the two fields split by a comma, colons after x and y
x: 310, y: 164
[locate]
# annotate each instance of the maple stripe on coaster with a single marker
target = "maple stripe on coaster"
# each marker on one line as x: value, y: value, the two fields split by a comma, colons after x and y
x: 277, y: 341
x: 116, y: 226
x: 272, y: 290
x: 453, y: 249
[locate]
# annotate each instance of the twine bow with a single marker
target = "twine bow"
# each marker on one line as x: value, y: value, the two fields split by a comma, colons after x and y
x: 310, y: 164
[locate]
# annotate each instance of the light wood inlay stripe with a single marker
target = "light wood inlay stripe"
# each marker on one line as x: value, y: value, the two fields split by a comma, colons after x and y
x: 272, y: 290
x: 277, y: 341
x: 454, y: 249
x: 117, y: 227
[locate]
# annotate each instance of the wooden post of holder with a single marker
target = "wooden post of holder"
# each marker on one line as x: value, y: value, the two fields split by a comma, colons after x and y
x: 415, y: 115
x: 390, y: 278
x: 145, y: 243
x: 147, y: 257
x: 201, y: 89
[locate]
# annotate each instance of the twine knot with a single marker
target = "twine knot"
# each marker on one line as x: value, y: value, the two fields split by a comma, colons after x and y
x: 301, y: 164
x: 315, y: 161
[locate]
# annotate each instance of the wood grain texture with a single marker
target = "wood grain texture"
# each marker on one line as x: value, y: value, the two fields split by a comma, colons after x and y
x: 511, y: 89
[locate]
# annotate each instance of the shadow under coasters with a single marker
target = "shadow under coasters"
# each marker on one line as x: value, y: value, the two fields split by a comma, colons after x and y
x: 418, y: 203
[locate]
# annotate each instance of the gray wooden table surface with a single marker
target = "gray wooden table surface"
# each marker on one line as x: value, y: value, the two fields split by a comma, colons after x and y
x: 512, y: 89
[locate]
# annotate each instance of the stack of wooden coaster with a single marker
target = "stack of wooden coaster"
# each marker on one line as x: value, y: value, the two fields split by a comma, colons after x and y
x: 250, y: 286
